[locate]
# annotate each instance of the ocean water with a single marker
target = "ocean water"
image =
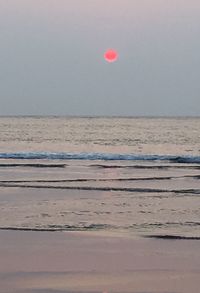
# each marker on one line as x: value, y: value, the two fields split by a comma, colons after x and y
x: 137, y: 177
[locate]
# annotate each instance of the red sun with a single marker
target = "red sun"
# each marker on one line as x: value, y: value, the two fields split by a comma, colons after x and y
x: 111, y: 55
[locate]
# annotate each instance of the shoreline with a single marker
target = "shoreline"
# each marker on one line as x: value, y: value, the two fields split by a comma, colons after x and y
x: 46, y: 262
x: 102, y: 233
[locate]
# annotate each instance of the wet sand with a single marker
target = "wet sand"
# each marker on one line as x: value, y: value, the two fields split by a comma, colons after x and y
x: 53, y: 262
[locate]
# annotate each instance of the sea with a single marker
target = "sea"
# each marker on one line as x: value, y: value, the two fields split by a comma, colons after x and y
x: 125, y: 176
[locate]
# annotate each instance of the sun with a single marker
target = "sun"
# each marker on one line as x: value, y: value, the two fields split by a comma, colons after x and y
x: 111, y: 55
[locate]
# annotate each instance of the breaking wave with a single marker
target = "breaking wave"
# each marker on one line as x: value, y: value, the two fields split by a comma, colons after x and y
x: 99, y: 156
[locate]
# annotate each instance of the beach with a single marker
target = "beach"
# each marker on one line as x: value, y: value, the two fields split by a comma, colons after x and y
x: 99, y: 205
x: 99, y: 146
x: 81, y: 262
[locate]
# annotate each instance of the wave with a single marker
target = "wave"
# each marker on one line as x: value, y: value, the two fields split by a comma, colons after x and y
x: 111, y: 189
x: 87, y: 188
x: 129, y: 166
x: 165, y: 225
x: 162, y: 167
x: 172, y: 237
x: 102, y: 227
x: 101, y: 179
x: 34, y: 165
x: 57, y: 228
x: 99, y: 156
x: 95, y: 179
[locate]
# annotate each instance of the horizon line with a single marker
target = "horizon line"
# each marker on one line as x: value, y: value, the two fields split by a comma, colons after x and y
x: 97, y: 116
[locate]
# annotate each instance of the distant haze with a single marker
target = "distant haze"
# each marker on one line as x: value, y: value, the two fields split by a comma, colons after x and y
x: 51, y: 57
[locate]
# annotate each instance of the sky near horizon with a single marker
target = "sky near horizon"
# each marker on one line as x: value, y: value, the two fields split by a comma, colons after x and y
x: 51, y: 57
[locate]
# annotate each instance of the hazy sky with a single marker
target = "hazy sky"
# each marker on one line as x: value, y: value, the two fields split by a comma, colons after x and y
x: 51, y: 57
